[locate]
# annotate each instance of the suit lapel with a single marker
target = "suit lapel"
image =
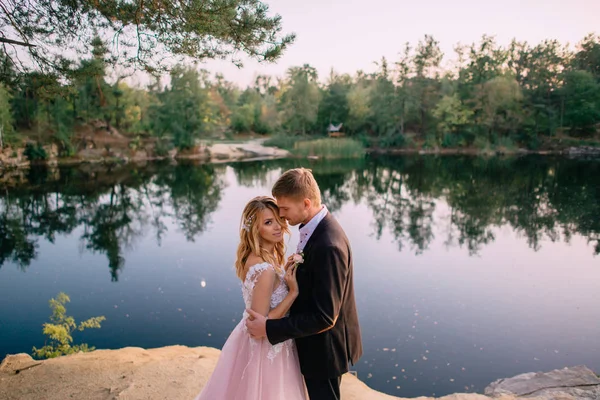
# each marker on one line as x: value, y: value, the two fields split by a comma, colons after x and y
x: 319, y: 230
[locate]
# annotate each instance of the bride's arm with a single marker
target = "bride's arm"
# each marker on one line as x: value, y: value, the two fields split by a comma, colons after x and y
x: 283, y: 307
x: 261, y: 296
x: 263, y: 289
x: 290, y: 279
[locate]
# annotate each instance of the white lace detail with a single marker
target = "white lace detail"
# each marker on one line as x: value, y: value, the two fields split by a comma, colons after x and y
x: 277, y: 297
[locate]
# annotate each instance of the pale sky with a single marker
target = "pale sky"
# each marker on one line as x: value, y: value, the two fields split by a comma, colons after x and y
x: 350, y: 35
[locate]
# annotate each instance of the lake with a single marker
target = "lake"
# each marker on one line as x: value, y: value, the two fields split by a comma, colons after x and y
x: 467, y: 269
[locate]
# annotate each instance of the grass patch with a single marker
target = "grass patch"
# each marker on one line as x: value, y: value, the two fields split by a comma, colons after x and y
x: 574, y: 142
x: 329, y: 148
x: 506, y: 144
x: 430, y: 142
x: 286, y: 142
x: 483, y: 145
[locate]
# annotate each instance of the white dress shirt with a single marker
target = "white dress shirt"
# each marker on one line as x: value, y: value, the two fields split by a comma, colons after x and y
x: 307, y: 230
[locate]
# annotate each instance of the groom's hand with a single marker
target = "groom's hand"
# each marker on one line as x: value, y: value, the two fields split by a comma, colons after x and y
x: 256, y: 324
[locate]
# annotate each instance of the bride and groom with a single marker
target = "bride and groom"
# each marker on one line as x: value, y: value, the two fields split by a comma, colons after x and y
x: 300, y: 318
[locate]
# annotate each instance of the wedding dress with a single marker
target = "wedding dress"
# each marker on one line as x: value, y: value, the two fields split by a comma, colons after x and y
x: 253, y: 369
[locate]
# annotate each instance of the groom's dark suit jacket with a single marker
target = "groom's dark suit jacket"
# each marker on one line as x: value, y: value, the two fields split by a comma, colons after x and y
x: 323, y: 319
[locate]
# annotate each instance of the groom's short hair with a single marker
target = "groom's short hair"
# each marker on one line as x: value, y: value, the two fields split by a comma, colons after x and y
x: 298, y: 183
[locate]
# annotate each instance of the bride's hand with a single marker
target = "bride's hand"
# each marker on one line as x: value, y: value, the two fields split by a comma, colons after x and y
x: 290, y: 277
x: 290, y: 263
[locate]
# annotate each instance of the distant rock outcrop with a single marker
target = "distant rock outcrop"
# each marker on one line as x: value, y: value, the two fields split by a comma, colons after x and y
x: 583, y: 151
x: 561, y: 384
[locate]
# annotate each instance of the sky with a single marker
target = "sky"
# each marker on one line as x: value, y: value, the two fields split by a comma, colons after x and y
x: 351, y: 35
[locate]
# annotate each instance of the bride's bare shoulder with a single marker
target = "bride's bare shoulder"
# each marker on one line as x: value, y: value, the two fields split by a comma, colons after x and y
x: 253, y: 259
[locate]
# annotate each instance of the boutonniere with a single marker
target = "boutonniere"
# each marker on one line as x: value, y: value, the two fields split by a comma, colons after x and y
x: 298, y: 258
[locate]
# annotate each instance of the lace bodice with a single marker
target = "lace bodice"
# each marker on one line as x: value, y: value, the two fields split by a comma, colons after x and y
x: 252, y: 277
x: 277, y: 297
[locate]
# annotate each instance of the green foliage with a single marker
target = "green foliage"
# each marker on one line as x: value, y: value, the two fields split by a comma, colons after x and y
x: 452, y: 140
x: 451, y: 114
x: 282, y: 141
x: 333, y: 107
x: 146, y: 30
x: 527, y: 93
x: 35, y: 152
x: 65, y: 144
x: 482, y: 144
x: 581, y: 96
x: 60, y: 328
x: 394, y: 140
x: 243, y: 119
x: 6, y: 120
x: 183, y: 109
x: 588, y: 56
x: 136, y: 143
x: 498, y: 105
x: 382, y: 102
x: 431, y: 142
x: 359, y: 106
x: 300, y: 99
x: 162, y: 148
x: 506, y: 144
x: 329, y: 148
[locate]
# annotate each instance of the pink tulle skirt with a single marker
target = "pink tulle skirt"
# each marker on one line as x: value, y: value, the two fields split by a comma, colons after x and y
x: 250, y: 369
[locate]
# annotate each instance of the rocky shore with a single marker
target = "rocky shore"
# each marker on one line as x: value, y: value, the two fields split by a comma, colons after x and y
x: 180, y: 372
x: 207, y: 152
x: 235, y: 151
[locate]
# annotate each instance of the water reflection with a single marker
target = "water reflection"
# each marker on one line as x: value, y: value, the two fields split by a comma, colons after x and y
x: 538, y: 197
x: 113, y: 207
x: 450, y: 298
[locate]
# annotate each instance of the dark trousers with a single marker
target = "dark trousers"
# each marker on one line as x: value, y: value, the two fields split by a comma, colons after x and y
x: 324, y: 389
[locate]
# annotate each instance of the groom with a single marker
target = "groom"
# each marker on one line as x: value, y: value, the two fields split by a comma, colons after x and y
x: 323, y: 319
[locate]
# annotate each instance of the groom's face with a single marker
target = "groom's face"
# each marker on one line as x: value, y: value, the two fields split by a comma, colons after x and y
x: 293, y: 210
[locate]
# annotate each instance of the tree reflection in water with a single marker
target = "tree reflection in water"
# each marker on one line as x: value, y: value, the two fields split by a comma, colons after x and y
x: 538, y: 197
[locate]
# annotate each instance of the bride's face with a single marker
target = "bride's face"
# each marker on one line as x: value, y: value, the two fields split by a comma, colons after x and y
x: 269, y: 229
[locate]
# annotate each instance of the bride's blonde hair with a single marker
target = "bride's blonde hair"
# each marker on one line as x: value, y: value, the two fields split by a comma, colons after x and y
x: 250, y: 240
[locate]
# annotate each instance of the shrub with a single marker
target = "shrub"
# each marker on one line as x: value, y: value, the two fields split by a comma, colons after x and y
x: 60, y: 328
x: 35, y: 152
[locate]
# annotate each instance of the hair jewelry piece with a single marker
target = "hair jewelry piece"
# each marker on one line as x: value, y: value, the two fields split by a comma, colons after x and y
x: 246, y: 226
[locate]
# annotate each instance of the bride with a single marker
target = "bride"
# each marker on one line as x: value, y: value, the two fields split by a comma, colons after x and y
x: 253, y: 369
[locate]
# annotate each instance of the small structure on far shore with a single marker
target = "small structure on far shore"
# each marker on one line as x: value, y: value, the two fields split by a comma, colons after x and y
x: 334, y: 130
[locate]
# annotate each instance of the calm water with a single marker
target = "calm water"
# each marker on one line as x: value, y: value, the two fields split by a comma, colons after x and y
x: 466, y: 270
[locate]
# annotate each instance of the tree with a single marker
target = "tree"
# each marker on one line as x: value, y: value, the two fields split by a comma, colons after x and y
x: 333, y: 107
x: 182, y: 109
x: 359, y: 108
x: 402, y: 91
x: 144, y: 33
x: 94, y: 95
x: 426, y: 61
x: 6, y: 123
x: 383, y: 102
x: 588, y: 56
x: 498, y: 105
x: 581, y: 96
x: 300, y: 102
x: 538, y: 72
x: 452, y: 114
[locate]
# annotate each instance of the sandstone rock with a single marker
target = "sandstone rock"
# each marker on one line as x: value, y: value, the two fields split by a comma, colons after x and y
x: 583, y: 151
x: 12, y: 158
x: 173, y: 372
x: 180, y: 372
x: 91, y: 155
x: 252, y: 150
x: 569, y: 384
